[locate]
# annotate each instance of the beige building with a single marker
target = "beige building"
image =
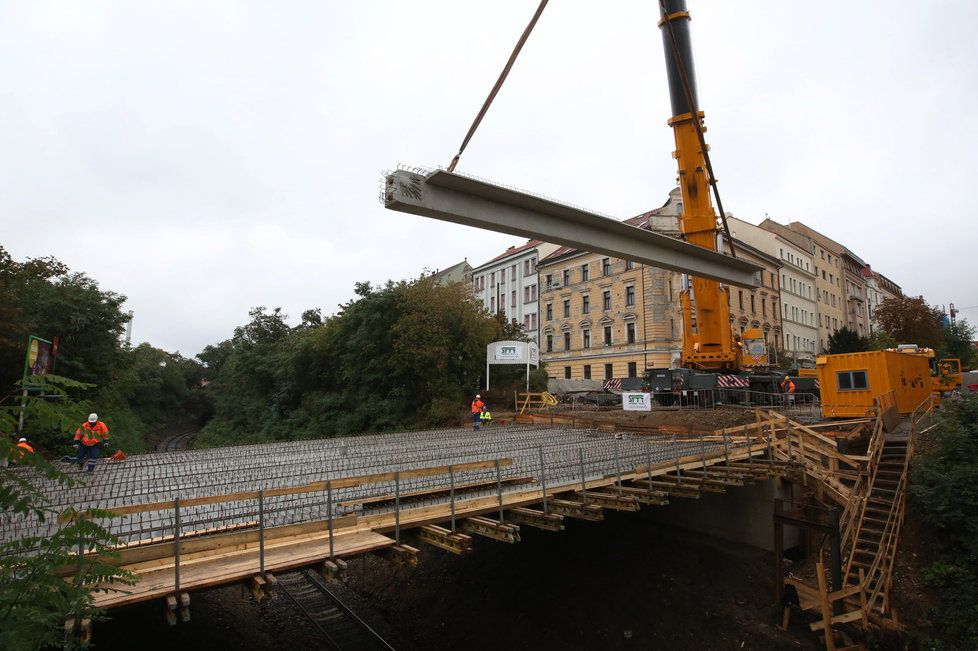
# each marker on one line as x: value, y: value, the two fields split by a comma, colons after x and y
x: 878, y: 289
x: 604, y: 318
x: 855, y: 287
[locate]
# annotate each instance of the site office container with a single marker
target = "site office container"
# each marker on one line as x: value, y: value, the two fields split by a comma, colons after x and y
x: 850, y: 381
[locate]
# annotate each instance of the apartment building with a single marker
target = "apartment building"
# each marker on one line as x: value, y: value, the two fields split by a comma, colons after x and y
x: 604, y: 318
x: 827, y: 255
x: 508, y: 284
x: 878, y: 289
x: 797, y: 289
x: 855, y: 286
x: 460, y: 272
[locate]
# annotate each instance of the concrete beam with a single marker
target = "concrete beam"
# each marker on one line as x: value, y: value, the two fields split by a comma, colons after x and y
x: 472, y: 202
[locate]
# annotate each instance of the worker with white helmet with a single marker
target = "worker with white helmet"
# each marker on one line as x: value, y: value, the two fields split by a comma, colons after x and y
x: 477, y: 406
x: 91, y: 436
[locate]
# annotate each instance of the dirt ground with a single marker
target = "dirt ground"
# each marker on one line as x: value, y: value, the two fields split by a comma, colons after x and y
x: 626, y: 583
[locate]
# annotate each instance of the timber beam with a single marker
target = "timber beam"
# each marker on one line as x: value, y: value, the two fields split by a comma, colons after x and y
x: 707, y: 484
x: 579, y: 510
x: 456, y: 543
x: 263, y: 586
x: 473, y: 202
x: 175, y: 608
x: 647, y: 496
x: 537, y: 519
x: 675, y: 489
x: 404, y: 554
x: 720, y: 477
x: 609, y: 500
x: 489, y: 528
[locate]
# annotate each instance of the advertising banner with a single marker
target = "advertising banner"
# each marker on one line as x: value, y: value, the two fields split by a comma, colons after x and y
x: 636, y: 401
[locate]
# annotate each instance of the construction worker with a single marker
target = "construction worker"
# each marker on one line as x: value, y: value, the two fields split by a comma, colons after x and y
x: 91, y: 436
x: 477, y: 406
x: 486, y: 416
x: 789, y: 387
x: 25, y: 446
x: 19, y: 452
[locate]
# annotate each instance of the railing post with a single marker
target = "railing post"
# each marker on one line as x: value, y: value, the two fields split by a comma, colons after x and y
x: 580, y: 457
x: 618, y: 463
x: 397, y: 506
x: 329, y: 514
x: 675, y: 451
x: 750, y: 452
x: 648, y: 460
x: 176, y: 547
x: 261, y: 532
x: 543, y: 481
x: 451, y: 494
x: 703, y: 452
x: 499, y: 490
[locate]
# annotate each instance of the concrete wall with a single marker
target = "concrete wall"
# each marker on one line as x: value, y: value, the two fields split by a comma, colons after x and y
x: 742, y: 514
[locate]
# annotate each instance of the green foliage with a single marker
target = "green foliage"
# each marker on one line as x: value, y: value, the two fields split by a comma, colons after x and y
x: 910, y: 320
x: 945, y: 496
x: 37, y: 594
x: 846, y: 340
x: 404, y: 355
x: 956, y: 342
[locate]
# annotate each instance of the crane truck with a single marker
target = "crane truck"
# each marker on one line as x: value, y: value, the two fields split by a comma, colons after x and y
x: 712, y: 356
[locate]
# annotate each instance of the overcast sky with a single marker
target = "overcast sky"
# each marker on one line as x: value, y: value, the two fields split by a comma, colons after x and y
x: 206, y: 157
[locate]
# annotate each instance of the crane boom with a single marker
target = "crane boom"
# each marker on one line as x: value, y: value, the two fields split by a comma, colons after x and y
x: 708, y: 342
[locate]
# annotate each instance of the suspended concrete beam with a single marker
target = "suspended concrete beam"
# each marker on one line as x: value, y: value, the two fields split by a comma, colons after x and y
x: 473, y: 202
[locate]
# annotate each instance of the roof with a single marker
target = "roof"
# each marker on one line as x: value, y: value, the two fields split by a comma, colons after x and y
x: 449, y: 270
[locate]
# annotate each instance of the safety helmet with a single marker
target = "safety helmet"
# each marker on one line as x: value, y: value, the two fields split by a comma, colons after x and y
x: 22, y: 441
x: 477, y: 395
x: 93, y: 418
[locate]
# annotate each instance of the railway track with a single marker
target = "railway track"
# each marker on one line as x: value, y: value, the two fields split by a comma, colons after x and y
x: 180, y: 441
x: 340, y: 627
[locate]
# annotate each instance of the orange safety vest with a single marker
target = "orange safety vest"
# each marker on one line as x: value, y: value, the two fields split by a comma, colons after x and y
x: 25, y: 446
x: 477, y: 406
x: 91, y: 435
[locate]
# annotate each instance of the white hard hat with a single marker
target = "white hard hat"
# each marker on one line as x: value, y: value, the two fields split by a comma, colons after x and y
x: 477, y: 395
x: 92, y: 418
x: 22, y: 441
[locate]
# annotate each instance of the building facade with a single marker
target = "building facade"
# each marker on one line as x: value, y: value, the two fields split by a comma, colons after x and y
x: 458, y: 273
x: 508, y: 283
x: 796, y: 288
x: 855, y: 288
x: 605, y: 318
x: 878, y: 289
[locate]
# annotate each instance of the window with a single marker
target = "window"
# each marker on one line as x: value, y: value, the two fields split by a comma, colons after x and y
x: 607, y: 335
x: 566, y: 277
x: 607, y: 300
x: 587, y: 371
x: 550, y: 280
x: 585, y: 304
x: 672, y: 328
x: 566, y: 341
x: 526, y: 294
x: 630, y: 334
x: 629, y: 265
x: 630, y: 295
x: 740, y: 298
x: 492, y: 304
x: 609, y: 371
x: 566, y: 307
x: 567, y: 372
x: 513, y: 301
x: 632, y: 369
x: 852, y: 380
x: 550, y: 311
x: 752, y: 308
x: 512, y: 273
x: 492, y: 279
x: 550, y: 343
x: 606, y: 267
x: 764, y: 307
x: 772, y: 279
x: 584, y: 273
x: 586, y: 338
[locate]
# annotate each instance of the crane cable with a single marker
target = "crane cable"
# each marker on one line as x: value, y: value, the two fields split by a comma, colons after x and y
x: 498, y: 85
x: 694, y: 115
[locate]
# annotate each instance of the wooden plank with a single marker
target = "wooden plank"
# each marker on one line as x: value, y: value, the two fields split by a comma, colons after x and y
x: 826, y: 608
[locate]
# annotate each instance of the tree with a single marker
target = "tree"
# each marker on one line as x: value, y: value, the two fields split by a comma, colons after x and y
x: 847, y: 340
x: 957, y: 342
x: 909, y: 320
x: 37, y: 595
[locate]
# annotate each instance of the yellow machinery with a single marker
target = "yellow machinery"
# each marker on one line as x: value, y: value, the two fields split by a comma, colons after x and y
x: 945, y: 373
x: 708, y: 341
x: 851, y: 382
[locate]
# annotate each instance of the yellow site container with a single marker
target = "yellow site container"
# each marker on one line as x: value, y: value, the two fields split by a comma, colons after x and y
x: 849, y: 381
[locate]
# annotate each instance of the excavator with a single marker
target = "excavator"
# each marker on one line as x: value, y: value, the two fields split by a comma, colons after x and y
x: 712, y: 356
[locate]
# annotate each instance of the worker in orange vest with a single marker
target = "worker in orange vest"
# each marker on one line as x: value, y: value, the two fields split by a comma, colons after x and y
x: 477, y: 406
x: 24, y: 445
x: 20, y: 451
x: 91, y: 436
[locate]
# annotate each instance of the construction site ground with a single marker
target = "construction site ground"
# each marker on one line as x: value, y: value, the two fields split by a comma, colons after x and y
x: 625, y: 583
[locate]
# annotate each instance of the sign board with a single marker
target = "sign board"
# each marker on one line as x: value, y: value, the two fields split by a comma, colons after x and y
x: 513, y: 352
x: 636, y: 401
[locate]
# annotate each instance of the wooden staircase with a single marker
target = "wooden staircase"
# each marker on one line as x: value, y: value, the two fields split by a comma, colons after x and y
x: 874, y: 548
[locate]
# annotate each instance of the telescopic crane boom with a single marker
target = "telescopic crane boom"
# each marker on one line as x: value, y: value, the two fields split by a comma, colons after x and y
x: 708, y: 341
